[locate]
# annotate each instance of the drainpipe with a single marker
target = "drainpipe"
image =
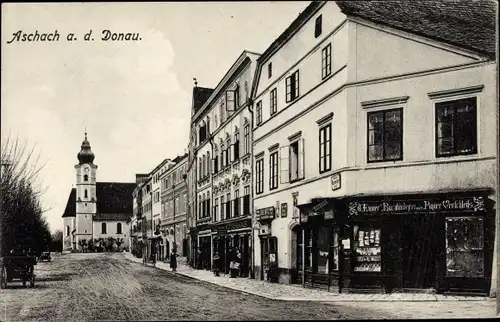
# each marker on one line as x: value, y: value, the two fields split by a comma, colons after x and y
x: 250, y: 110
x: 211, y: 141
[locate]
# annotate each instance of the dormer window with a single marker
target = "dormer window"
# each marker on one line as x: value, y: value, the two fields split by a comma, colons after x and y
x: 318, y: 27
x: 269, y: 70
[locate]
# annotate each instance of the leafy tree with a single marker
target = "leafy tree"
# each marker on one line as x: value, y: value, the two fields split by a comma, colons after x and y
x: 22, y: 224
x: 56, y: 244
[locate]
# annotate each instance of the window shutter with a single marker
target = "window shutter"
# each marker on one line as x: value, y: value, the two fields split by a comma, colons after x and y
x: 284, y: 164
x: 300, y: 161
x: 230, y: 100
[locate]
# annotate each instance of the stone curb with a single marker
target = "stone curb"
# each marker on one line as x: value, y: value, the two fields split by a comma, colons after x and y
x: 301, y: 299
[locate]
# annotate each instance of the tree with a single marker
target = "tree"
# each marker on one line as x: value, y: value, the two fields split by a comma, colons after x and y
x: 56, y: 241
x: 22, y: 224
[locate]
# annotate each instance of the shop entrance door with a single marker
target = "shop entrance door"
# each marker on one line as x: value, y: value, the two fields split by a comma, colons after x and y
x: 419, y: 253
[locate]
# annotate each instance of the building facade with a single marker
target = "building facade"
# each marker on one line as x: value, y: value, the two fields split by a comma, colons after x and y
x: 223, y: 149
x: 136, y: 233
x: 374, y: 160
x: 174, y: 206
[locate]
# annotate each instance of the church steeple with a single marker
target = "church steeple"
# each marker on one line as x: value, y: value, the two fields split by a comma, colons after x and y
x: 85, y: 155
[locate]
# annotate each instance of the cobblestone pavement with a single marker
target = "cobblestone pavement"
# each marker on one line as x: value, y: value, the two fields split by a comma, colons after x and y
x: 298, y: 293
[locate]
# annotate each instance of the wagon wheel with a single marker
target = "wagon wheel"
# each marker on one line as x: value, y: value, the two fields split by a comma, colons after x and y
x: 3, y: 278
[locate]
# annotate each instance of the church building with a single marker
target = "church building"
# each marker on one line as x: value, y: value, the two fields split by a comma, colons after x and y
x: 96, y: 209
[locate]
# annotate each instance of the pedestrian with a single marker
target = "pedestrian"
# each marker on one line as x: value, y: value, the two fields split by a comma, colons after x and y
x: 198, y: 258
x: 238, y: 262
x: 216, y: 264
x: 233, y: 264
x: 173, y: 260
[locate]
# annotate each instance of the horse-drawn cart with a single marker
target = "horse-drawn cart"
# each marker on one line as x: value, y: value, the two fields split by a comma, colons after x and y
x: 20, y: 268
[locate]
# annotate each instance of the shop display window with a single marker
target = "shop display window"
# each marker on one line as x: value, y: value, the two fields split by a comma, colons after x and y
x: 464, y: 247
x: 334, y: 251
x: 367, y: 250
x: 322, y: 249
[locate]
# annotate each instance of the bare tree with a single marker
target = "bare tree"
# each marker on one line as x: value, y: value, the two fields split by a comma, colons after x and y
x: 22, y: 224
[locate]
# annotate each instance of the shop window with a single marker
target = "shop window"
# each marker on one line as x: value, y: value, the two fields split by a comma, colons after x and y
x: 385, y: 135
x: 367, y: 249
x: 300, y: 247
x: 308, y: 248
x: 456, y: 127
x: 322, y: 249
x: 334, y: 251
x: 464, y: 247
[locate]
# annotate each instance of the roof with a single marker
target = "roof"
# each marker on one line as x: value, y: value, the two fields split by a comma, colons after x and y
x: 295, y: 25
x: 70, y: 210
x: 180, y: 158
x: 114, y: 199
x: 200, y: 96
x: 463, y: 23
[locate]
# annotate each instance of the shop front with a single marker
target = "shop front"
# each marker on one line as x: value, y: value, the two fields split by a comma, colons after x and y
x: 204, y: 248
x: 441, y: 242
x: 269, y: 269
x: 317, y: 241
x: 228, y: 237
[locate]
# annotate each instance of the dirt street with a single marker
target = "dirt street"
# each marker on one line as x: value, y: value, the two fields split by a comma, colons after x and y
x: 106, y: 286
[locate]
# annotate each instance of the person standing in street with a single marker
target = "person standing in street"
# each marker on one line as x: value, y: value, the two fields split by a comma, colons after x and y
x: 173, y: 260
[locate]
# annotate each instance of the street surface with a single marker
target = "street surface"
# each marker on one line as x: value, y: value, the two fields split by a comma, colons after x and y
x: 106, y: 286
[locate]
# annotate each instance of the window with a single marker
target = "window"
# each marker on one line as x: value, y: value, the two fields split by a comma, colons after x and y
x: 223, y: 160
x: 259, y: 166
x: 222, y: 110
x: 273, y: 102
x: 385, y: 135
x: 86, y: 194
x: 326, y: 61
x: 222, y: 208
x: 318, y: 27
x: 228, y: 205
x: 269, y: 70
x: 86, y: 177
x: 464, y: 247
x: 367, y: 249
x: 236, y: 146
x: 67, y: 230
x: 228, y: 152
x: 236, y: 202
x: 246, y: 200
x: 246, y: 138
x: 456, y: 127
x: 325, y: 148
x: 259, y: 113
x: 119, y: 228
x: 103, y: 228
x: 216, y: 210
x: 273, y: 171
x: 296, y: 160
x: 216, y: 161
x: 292, y: 86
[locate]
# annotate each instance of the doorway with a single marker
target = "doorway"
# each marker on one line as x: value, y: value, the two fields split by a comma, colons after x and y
x: 419, y: 251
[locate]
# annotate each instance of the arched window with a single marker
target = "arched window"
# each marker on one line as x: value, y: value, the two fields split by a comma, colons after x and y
x: 119, y: 228
x: 86, y: 194
x: 103, y: 228
x: 67, y: 230
x: 86, y: 177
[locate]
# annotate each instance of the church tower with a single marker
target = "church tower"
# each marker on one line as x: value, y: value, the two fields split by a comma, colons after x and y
x: 86, y: 206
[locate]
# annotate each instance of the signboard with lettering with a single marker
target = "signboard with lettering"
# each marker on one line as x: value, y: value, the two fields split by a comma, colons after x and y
x: 266, y: 213
x: 422, y: 206
x: 220, y: 229
x: 284, y: 210
x: 335, y: 181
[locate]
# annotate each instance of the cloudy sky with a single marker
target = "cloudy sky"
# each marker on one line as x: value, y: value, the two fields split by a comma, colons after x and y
x: 133, y: 97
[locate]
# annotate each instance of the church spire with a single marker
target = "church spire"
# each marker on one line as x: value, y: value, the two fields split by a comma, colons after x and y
x: 85, y: 155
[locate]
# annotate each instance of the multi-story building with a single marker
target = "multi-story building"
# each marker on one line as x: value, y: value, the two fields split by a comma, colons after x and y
x: 136, y: 220
x: 156, y: 203
x: 374, y: 147
x: 223, y: 178
x: 148, y: 237
x: 200, y: 96
x: 173, y: 208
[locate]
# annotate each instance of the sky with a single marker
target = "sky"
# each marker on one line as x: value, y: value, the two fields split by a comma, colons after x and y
x: 133, y: 97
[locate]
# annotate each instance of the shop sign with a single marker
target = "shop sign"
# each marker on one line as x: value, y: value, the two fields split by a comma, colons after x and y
x: 335, y: 181
x: 284, y: 210
x: 467, y: 204
x: 266, y: 213
x: 232, y: 226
